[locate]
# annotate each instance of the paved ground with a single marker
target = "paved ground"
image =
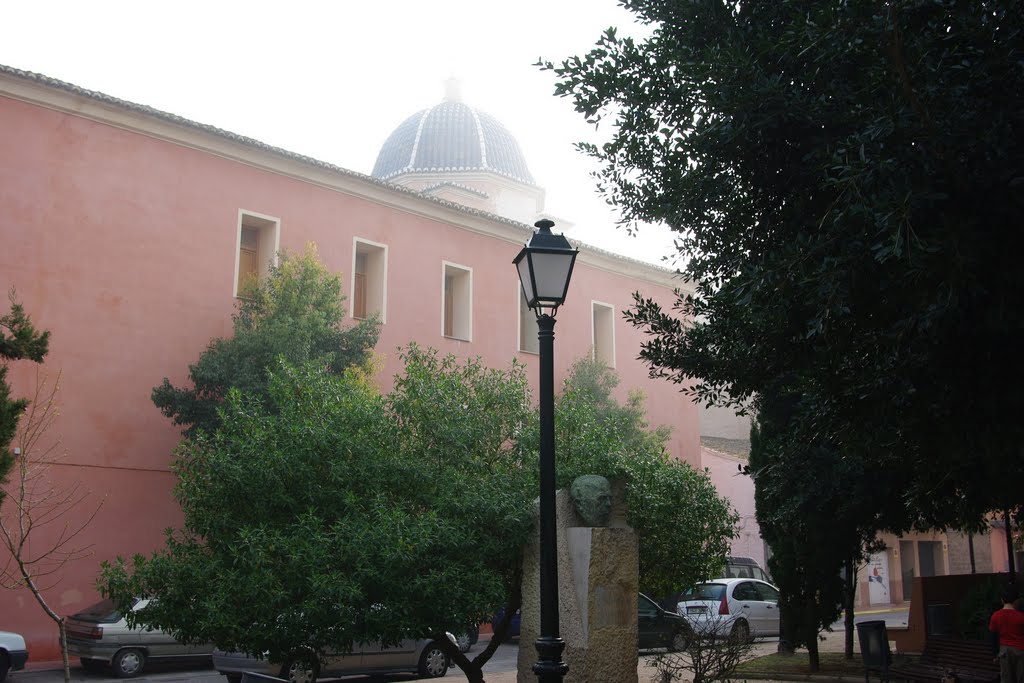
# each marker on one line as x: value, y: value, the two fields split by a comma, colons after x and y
x: 500, y: 669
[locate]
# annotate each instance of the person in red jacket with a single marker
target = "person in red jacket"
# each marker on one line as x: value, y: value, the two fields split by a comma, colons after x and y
x: 1007, y: 627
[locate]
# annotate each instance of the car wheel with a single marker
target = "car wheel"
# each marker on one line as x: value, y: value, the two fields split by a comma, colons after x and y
x: 301, y: 670
x: 464, y: 642
x: 92, y: 665
x: 4, y: 666
x: 680, y: 640
x: 433, y: 662
x: 740, y: 633
x: 233, y: 678
x: 128, y: 663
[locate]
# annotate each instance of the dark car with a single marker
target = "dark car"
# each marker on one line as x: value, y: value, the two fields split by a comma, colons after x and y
x: 657, y: 627
x: 513, y: 624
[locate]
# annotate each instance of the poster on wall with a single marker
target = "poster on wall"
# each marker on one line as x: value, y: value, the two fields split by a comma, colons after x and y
x: 878, y: 579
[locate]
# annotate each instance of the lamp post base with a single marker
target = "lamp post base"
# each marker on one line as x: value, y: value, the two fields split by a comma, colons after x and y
x: 549, y: 667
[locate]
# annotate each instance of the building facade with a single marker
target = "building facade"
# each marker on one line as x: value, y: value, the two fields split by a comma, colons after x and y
x: 125, y: 232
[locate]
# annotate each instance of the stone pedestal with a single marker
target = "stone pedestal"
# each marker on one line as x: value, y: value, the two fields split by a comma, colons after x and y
x: 598, y: 583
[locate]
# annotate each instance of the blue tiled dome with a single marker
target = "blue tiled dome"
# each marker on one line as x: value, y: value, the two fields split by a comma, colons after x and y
x: 451, y: 137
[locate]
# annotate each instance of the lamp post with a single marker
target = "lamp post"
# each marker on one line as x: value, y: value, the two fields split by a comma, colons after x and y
x: 545, y: 266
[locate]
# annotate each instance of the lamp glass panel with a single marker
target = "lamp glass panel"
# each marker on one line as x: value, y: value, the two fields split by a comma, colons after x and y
x: 524, y: 277
x: 552, y: 273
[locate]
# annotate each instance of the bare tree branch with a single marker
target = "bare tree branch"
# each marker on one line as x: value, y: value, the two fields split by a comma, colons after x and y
x: 35, y: 502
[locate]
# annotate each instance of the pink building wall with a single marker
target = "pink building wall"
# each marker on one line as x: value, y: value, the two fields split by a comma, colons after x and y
x: 118, y: 229
x: 738, y: 488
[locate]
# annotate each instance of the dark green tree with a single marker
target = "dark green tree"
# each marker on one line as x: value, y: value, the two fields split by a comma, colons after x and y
x: 819, y: 510
x: 847, y: 182
x: 296, y: 312
x: 19, y: 340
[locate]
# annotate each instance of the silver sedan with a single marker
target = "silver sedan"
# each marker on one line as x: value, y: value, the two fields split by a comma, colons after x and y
x: 423, y: 657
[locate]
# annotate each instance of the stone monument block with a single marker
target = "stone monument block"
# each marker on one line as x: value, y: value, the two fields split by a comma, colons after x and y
x: 598, y: 583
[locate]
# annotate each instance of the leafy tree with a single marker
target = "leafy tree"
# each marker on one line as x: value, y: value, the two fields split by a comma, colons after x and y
x: 296, y: 312
x: 375, y: 518
x: 682, y: 524
x: 846, y: 180
x: 19, y: 340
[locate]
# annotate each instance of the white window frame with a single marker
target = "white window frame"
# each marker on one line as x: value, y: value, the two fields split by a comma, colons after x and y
x: 594, y: 306
x: 520, y: 304
x: 445, y: 265
x: 356, y: 241
x: 268, y: 226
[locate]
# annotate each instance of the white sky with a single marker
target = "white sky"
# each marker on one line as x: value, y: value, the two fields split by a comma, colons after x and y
x: 331, y: 80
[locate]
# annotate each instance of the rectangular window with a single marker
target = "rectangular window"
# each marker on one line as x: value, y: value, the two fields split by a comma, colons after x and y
x: 248, y: 248
x: 603, y: 316
x: 457, y: 304
x: 369, y: 279
x: 258, y: 240
x: 528, y: 341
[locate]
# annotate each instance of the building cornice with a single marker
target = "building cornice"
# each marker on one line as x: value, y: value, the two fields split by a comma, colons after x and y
x: 67, y: 98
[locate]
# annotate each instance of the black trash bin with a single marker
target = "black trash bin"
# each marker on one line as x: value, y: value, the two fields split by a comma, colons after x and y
x: 874, y: 648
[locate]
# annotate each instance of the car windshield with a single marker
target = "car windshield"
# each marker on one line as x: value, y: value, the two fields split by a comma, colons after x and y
x: 705, y: 591
x: 103, y: 612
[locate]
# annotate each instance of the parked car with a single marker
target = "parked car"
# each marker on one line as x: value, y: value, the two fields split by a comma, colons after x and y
x: 737, y: 608
x: 513, y: 624
x: 13, y: 653
x: 743, y: 568
x: 423, y: 657
x: 468, y: 638
x: 657, y: 627
x: 99, y: 636
x: 735, y: 567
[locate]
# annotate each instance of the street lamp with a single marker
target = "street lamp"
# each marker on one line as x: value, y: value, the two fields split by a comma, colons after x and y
x: 545, y: 266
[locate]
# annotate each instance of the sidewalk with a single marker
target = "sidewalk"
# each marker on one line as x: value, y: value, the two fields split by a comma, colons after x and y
x: 883, y: 609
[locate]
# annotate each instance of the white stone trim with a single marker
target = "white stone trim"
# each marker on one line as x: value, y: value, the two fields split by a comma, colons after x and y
x: 271, y: 224
x: 356, y: 241
x: 445, y: 265
x: 594, y: 305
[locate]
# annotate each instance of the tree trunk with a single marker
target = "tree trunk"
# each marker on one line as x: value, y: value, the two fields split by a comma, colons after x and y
x: 811, y: 635
x: 1011, y: 570
x: 474, y: 669
x: 787, y: 629
x: 850, y: 586
x: 59, y: 620
x: 64, y: 650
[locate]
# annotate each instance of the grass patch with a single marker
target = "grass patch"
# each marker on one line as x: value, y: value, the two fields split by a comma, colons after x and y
x: 832, y: 664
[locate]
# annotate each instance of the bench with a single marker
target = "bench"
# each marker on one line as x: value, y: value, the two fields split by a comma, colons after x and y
x: 948, y: 657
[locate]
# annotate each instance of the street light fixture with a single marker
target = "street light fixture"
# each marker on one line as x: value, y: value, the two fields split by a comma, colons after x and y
x: 545, y: 266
